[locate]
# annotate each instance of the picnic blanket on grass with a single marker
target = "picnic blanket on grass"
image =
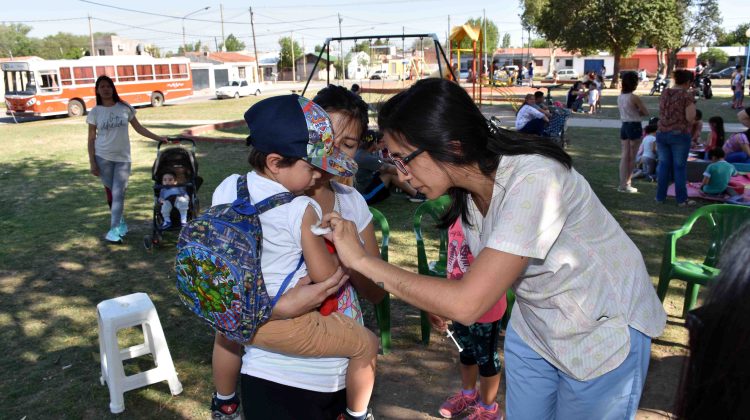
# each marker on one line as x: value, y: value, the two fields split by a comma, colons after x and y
x: 737, y: 182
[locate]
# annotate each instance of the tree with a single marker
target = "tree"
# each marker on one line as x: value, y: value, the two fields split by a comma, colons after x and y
x: 286, y: 51
x: 363, y: 46
x: 492, y: 35
x: 666, y: 33
x: 601, y: 25
x: 233, y: 44
x: 700, y: 21
x: 154, y: 51
x: 506, y: 41
x: 735, y: 38
x: 14, y: 40
x: 539, y: 43
x: 714, y: 56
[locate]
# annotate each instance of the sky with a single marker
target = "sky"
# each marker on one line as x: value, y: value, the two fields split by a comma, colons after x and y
x: 309, y: 22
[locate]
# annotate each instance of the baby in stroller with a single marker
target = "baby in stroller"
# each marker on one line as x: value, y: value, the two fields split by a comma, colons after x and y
x: 176, y: 183
x: 172, y: 196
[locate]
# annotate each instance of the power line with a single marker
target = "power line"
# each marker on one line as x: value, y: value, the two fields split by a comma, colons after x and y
x: 308, y: 5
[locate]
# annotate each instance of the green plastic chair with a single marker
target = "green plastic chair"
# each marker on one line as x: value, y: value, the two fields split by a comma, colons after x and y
x: 723, y: 220
x: 383, y: 309
x: 434, y: 209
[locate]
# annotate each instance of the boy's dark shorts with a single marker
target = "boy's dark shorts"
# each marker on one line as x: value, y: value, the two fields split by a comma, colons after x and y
x: 375, y: 191
x: 480, y: 341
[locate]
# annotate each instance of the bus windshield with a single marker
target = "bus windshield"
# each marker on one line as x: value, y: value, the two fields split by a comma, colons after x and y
x: 19, y: 83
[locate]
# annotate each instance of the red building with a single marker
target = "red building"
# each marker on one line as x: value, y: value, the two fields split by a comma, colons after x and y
x: 645, y: 58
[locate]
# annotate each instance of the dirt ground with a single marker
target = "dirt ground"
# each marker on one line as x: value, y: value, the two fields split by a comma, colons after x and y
x: 413, y: 380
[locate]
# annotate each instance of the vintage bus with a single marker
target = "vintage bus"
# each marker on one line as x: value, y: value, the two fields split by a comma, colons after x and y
x: 57, y: 87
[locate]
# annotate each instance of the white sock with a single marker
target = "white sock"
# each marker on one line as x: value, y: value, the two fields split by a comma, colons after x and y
x: 357, y: 414
x: 225, y: 397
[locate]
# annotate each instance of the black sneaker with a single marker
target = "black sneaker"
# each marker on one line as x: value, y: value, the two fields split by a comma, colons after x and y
x: 418, y: 198
x: 346, y: 416
x: 225, y: 409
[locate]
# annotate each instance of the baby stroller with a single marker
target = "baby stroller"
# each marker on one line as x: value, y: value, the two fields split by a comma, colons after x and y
x: 175, y: 156
x: 558, y: 123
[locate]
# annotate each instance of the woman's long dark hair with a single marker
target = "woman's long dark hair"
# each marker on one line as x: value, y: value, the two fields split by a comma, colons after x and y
x: 629, y: 82
x: 340, y: 99
x: 106, y: 79
x: 716, y: 381
x: 439, y: 117
x: 718, y: 122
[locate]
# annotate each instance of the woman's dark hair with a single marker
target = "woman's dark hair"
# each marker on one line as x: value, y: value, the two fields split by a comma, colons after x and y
x: 718, y: 122
x: 340, y: 99
x: 683, y: 76
x: 257, y: 160
x: 106, y: 79
x: 439, y: 117
x: 629, y: 82
x: 715, y: 380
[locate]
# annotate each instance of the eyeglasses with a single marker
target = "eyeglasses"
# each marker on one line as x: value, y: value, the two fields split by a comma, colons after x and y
x: 401, y: 163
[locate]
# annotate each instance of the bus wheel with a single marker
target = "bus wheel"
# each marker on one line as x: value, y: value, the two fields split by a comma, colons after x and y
x: 157, y: 99
x: 75, y: 108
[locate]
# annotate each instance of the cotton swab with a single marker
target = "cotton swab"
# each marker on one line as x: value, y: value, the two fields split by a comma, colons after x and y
x: 449, y: 333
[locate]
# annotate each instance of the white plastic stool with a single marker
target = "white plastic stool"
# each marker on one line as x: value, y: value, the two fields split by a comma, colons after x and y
x: 124, y: 312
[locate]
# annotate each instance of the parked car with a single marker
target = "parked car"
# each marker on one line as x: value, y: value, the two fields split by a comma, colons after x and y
x: 237, y: 88
x: 568, y: 74
x: 723, y: 74
x: 379, y: 74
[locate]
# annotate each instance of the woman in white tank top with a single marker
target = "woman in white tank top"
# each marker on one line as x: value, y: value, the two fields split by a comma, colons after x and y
x: 631, y: 111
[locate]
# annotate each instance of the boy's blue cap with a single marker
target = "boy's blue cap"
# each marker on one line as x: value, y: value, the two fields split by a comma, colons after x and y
x: 294, y: 126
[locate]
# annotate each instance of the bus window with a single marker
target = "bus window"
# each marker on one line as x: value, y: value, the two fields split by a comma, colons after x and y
x: 162, y: 71
x: 145, y: 72
x: 65, y: 76
x: 83, y: 75
x: 105, y: 71
x: 125, y: 74
x: 19, y: 83
x: 179, y: 71
x: 49, y: 81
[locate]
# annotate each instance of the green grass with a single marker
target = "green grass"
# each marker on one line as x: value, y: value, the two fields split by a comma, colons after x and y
x: 55, y: 268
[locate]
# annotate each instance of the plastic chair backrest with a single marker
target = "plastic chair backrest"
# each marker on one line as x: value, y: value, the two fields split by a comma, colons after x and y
x: 385, y: 231
x: 725, y: 220
x: 435, y: 209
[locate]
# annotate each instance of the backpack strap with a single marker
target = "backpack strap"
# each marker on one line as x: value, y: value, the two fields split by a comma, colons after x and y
x: 286, y: 281
x: 243, y: 205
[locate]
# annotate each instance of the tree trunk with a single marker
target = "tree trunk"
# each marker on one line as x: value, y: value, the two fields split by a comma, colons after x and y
x: 671, y: 61
x: 551, y: 67
x: 616, y: 71
x: 659, y: 61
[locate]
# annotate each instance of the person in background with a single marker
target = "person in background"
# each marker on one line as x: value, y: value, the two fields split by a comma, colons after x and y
x: 717, y: 175
x: 603, y: 71
x: 647, y: 155
x: 676, y: 114
x: 531, y: 73
x: 632, y: 110
x: 593, y: 95
x: 717, y: 136
x: 696, y: 129
x: 576, y: 93
x: 355, y: 89
x: 172, y: 196
x: 539, y: 100
x: 713, y: 383
x: 738, y: 88
x: 530, y: 119
x: 109, y: 149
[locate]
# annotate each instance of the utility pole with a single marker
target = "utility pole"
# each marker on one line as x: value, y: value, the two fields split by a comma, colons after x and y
x: 403, y: 52
x: 304, y: 57
x: 258, y: 73
x: 291, y: 44
x: 216, y: 44
x: 223, y: 38
x: 341, y: 49
x: 91, y: 37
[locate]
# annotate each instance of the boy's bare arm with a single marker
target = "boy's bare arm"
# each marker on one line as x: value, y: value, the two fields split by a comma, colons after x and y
x: 320, y: 263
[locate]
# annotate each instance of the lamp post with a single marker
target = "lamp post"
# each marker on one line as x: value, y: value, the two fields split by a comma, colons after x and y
x: 184, y: 45
x: 747, y: 57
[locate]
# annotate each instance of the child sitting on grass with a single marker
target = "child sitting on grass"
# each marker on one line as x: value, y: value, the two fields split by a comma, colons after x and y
x: 292, y: 142
x: 717, y: 175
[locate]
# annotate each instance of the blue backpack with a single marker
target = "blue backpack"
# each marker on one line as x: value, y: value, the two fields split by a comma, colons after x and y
x: 218, y: 266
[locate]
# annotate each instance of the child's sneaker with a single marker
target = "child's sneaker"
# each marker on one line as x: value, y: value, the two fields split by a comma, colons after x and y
x: 457, y: 403
x: 225, y: 409
x: 418, y: 198
x: 183, y: 223
x: 123, y: 227
x: 347, y: 416
x: 478, y: 412
x: 113, y: 236
x: 166, y: 225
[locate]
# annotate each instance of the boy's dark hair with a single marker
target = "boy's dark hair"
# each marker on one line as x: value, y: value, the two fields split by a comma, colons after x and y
x: 651, y: 128
x: 629, y: 82
x: 698, y: 114
x: 716, y: 152
x: 538, y: 94
x: 257, y: 160
x: 683, y: 76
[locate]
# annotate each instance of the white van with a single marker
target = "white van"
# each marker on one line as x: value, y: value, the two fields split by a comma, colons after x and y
x: 568, y: 74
